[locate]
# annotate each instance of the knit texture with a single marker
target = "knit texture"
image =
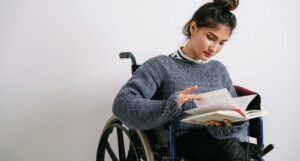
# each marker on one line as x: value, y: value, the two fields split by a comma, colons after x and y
x: 148, y: 99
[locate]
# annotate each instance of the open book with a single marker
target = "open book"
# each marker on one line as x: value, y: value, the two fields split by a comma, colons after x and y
x: 219, y: 105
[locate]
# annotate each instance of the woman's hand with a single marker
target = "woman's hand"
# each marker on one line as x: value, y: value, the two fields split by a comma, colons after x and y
x: 185, y: 95
x: 218, y: 123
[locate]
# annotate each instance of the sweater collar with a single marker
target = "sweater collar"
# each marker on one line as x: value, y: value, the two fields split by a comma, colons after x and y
x: 179, y: 54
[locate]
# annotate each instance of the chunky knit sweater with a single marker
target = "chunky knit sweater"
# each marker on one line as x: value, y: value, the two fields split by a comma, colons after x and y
x: 148, y: 99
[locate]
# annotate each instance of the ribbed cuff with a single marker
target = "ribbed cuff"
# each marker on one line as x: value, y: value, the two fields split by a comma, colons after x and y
x: 172, y: 109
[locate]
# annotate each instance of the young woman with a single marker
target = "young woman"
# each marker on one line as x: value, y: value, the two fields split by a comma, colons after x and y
x: 165, y: 86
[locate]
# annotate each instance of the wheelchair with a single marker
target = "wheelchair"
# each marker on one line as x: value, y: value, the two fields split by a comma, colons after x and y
x: 134, y: 145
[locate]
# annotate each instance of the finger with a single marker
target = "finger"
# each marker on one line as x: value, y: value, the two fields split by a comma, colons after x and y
x: 189, y: 90
x: 182, y: 100
x: 206, y: 124
x: 240, y: 111
x: 217, y: 123
x: 179, y: 104
x: 210, y: 123
x: 227, y: 122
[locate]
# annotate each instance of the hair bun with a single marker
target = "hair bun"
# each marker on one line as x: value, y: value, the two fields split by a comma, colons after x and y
x: 229, y: 4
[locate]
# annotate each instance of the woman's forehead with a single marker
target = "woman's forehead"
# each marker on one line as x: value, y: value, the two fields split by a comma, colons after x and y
x: 221, y: 31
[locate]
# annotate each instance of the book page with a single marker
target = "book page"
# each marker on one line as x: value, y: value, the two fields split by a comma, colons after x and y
x: 213, y: 101
x: 244, y: 101
x: 255, y: 113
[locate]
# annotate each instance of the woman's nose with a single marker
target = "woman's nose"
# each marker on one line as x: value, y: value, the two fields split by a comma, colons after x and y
x: 212, y: 48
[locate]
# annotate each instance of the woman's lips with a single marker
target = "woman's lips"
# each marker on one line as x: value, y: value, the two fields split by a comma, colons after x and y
x: 208, y: 54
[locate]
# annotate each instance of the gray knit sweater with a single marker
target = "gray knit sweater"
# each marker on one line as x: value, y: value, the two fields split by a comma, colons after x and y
x: 148, y: 99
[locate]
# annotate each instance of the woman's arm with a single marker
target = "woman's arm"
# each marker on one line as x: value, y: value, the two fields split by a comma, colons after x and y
x: 133, y: 104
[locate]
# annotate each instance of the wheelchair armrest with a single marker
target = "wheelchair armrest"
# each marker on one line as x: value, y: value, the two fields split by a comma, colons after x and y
x: 256, y: 130
x: 255, y: 103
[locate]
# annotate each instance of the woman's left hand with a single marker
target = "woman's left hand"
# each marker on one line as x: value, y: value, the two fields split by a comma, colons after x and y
x: 218, y: 123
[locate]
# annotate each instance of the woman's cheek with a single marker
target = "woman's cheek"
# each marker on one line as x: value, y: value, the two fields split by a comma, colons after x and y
x: 220, y: 48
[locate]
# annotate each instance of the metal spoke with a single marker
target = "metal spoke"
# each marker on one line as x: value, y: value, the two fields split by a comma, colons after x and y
x: 130, y: 154
x: 121, y: 145
x: 111, y: 152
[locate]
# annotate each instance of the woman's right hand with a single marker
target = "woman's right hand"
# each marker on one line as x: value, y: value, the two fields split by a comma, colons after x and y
x: 218, y: 123
x: 185, y: 95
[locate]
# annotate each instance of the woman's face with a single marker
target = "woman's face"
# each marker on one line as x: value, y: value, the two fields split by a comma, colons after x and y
x: 205, y: 42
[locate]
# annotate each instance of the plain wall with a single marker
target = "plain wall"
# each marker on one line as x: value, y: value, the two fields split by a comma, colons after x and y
x: 59, y: 68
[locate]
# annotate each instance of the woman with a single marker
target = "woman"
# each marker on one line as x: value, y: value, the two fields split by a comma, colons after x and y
x: 164, y: 87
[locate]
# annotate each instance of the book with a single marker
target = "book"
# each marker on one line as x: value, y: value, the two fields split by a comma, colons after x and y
x: 219, y: 105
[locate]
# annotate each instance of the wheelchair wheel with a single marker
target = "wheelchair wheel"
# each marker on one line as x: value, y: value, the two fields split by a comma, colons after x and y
x: 118, y: 143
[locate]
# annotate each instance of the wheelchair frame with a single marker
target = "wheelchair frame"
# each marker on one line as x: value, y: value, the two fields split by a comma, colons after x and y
x: 139, y: 147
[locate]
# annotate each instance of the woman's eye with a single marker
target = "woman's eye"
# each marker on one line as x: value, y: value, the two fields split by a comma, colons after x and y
x: 210, y: 37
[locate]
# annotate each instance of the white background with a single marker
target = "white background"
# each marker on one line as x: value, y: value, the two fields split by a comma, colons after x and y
x: 59, y: 68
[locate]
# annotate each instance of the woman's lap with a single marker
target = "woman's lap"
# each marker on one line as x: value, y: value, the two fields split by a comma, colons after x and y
x: 199, y: 145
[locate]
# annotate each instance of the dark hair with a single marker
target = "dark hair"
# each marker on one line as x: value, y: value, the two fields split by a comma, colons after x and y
x: 212, y: 14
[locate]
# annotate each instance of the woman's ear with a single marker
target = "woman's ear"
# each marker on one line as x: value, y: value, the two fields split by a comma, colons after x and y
x: 193, y: 28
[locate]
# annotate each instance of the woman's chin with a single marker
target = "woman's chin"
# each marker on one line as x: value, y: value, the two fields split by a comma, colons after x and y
x: 205, y: 58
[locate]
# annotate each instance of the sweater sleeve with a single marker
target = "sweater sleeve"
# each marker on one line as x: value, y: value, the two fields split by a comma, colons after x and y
x: 134, y: 105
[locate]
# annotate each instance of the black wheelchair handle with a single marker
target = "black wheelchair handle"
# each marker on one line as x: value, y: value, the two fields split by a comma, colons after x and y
x: 126, y: 55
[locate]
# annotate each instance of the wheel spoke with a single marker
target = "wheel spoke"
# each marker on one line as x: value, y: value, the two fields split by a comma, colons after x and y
x: 111, y: 152
x: 131, y: 156
x: 121, y: 145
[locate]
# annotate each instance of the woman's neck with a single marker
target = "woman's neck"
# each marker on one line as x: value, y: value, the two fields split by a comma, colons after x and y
x: 188, y: 51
